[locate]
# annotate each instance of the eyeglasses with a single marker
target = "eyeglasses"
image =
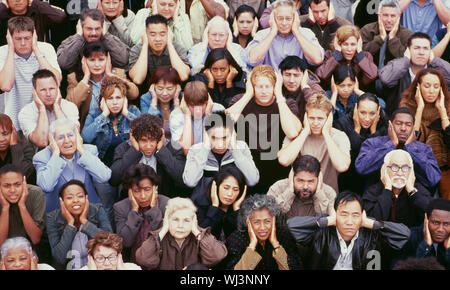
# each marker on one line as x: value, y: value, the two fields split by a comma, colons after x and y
x: 102, y: 259
x: 281, y: 19
x: 404, y: 168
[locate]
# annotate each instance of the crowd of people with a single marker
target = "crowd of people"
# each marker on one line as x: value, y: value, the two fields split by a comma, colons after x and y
x: 216, y: 134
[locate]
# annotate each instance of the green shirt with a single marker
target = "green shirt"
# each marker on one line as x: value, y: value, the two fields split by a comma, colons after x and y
x: 36, y: 208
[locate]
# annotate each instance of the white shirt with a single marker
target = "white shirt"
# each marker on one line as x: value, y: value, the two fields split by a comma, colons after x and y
x: 345, y: 261
x: 29, y: 115
x: 21, y: 92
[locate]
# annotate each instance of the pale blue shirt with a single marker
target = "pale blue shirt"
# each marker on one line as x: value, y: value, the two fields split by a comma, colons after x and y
x: 149, y: 160
x: 79, y: 250
x: 421, y: 19
x: 281, y: 47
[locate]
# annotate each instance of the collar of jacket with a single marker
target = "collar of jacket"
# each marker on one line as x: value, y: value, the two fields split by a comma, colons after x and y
x: 328, y: 250
x: 213, y: 165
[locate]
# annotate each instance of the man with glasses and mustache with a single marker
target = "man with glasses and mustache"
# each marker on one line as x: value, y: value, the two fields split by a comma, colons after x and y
x: 397, y: 197
x: 401, y: 135
x: 303, y: 193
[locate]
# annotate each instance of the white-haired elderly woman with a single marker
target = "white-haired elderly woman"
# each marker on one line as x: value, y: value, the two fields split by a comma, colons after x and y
x: 398, y: 196
x: 67, y: 158
x: 216, y: 35
x: 261, y: 241
x: 17, y: 254
x: 180, y: 242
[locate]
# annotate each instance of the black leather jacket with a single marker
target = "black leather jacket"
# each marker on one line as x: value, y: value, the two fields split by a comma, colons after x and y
x: 313, y: 232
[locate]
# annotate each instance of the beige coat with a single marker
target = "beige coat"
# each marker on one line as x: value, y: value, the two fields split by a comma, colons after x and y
x: 323, y: 199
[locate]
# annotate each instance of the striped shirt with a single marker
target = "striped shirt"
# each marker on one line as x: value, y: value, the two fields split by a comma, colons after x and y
x: 21, y: 92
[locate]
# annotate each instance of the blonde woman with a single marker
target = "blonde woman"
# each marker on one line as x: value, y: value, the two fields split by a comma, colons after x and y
x: 347, y: 50
x: 180, y: 242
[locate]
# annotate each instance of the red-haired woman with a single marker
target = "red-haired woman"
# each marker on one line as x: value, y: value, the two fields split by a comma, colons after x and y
x: 347, y: 50
x: 163, y: 95
x: 15, y: 148
x: 428, y: 98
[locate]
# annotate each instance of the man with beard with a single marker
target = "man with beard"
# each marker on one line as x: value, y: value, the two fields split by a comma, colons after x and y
x: 397, y: 197
x: 303, y: 193
x: 401, y: 135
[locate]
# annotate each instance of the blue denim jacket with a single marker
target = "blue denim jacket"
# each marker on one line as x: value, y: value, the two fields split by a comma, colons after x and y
x: 61, y: 235
x: 98, y: 129
x: 146, y: 100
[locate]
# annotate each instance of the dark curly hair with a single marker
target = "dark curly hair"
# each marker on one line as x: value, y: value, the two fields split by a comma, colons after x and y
x: 105, y: 239
x: 138, y: 172
x: 147, y: 125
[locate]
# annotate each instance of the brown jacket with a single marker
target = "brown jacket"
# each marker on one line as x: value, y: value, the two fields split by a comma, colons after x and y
x: 80, y: 94
x: 372, y: 42
x: 431, y: 135
x: 323, y: 199
x: 364, y: 67
x: 251, y: 258
x: 167, y: 255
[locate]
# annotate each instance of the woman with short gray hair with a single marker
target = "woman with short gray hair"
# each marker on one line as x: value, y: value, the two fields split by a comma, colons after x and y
x: 261, y: 241
x: 17, y: 254
x: 180, y: 242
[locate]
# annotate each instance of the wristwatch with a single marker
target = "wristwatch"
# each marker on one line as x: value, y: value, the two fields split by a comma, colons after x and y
x: 413, y: 191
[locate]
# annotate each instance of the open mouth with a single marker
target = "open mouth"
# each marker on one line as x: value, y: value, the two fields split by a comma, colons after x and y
x: 76, y: 207
x: 13, y: 197
x: 263, y: 234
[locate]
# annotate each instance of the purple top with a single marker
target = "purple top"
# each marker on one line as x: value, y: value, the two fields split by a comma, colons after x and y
x: 373, y: 150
